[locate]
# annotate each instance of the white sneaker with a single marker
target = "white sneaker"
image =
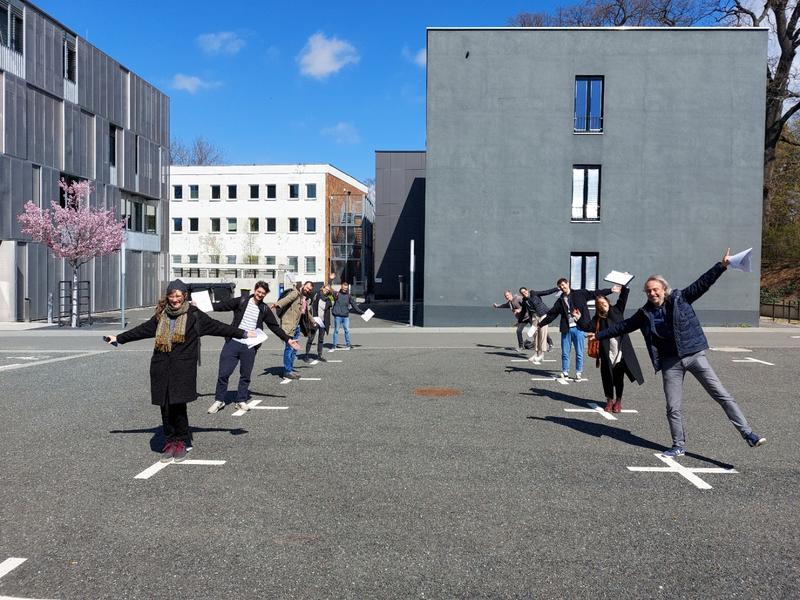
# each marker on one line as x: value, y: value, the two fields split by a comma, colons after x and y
x: 216, y: 407
x: 578, y: 376
x: 242, y: 406
x: 564, y: 375
x: 331, y: 349
x: 535, y: 359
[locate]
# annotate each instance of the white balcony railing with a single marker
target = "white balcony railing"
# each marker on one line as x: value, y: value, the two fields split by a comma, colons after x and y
x: 70, y: 91
x: 12, y: 61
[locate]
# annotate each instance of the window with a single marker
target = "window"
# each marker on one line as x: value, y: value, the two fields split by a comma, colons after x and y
x: 138, y: 216
x: 214, y: 224
x: 112, y: 145
x: 253, y: 221
x: 176, y: 259
x: 70, y: 62
x: 589, y: 104
x: 192, y: 259
x: 253, y: 191
x: 215, y: 192
x: 231, y: 192
x: 294, y: 191
x: 271, y: 191
x: 311, y: 191
x: 194, y: 192
x: 583, y: 270
x: 291, y: 262
x: 194, y: 224
x: 311, y: 264
x: 213, y: 259
x: 230, y: 259
x: 311, y: 224
x: 586, y: 193
x: 231, y: 224
x: 177, y: 224
x: 136, y: 154
x: 269, y: 260
x: 272, y: 225
x: 177, y: 192
x: 294, y: 224
x: 11, y: 23
x: 37, y: 185
x: 149, y: 219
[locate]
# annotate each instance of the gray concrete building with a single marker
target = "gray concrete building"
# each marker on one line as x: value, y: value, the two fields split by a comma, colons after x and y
x: 571, y: 152
x: 67, y: 110
x: 399, y: 218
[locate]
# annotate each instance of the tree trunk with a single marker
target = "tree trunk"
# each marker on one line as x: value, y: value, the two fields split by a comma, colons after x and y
x: 74, y: 316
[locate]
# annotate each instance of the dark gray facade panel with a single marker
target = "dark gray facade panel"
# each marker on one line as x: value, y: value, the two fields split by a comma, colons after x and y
x: 16, y: 143
x: 678, y: 185
x: 50, y: 189
x: 128, y: 158
x: 44, y: 124
x: 44, y: 59
x: 5, y: 197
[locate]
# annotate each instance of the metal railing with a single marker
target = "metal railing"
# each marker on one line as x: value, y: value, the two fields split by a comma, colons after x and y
x: 781, y: 310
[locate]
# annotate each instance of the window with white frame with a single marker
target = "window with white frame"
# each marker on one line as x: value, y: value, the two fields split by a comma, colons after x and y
x: 311, y: 191
x: 192, y: 259
x: 230, y: 259
x: 194, y: 224
x: 253, y: 191
x: 583, y: 270
x: 269, y: 260
x: 294, y: 191
x: 291, y: 263
x: 177, y: 192
x: 311, y: 225
x: 311, y: 264
x: 272, y: 191
x: 232, y: 225
x: 177, y: 224
x: 176, y: 259
x: 586, y: 193
x: 215, y: 224
x: 589, y: 104
x: 253, y: 222
x: 215, y: 192
x: 294, y: 225
x: 194, y: 192
x: 232, y: 192
x: 272, y: 225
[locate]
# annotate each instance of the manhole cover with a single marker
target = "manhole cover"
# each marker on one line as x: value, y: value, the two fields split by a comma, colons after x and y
x: 436, y: 392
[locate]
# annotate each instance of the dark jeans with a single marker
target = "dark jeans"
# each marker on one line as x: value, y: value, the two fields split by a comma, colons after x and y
x: 520, y: 326
x: 175, y: 422
x: 613, y: 382
x: 320, y: 332
x: 234, y: 353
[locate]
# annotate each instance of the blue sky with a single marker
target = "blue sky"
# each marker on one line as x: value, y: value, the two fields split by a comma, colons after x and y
x: 284, y: 82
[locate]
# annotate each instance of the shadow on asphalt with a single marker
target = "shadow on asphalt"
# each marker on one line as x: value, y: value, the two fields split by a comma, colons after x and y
x: 230, y: 396
x: 158, y: 440
x: 558, y: 396
x: 622, y: 435
x: 511, y: 354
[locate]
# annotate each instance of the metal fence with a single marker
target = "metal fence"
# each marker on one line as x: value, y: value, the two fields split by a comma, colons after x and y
x: 781, y: 310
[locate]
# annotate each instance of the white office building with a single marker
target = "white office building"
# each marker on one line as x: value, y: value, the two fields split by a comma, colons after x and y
x: 244, y: 223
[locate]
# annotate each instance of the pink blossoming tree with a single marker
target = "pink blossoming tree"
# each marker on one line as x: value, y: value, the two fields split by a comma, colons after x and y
x: 75, y: 232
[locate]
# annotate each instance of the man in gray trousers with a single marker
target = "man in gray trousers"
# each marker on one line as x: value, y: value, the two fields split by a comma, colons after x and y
x: 676, y: 344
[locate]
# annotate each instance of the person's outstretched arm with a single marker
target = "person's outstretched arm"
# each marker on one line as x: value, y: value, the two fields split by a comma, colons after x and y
x: 622, y: 301
x: 706, y: 280
x: 140, y: 332
x: 637, y: 321
x: 209, y: 326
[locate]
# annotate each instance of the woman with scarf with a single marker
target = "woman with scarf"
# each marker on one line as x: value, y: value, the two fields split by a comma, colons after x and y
x: 177, y: 327
x: 617, y: 357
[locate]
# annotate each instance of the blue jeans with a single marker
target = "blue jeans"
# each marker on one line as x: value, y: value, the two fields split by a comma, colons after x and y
x: 289, y: 353
x: 345, y: 323
x: 574, y: 336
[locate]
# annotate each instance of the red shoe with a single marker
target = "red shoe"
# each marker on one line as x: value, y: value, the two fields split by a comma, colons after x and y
x: 166, y: 453
x: 609, y: 404
x: 617, y: 406
x: 179, y: 451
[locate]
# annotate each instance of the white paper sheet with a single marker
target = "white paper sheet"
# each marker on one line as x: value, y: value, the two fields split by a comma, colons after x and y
x: 619, y: 277
x: 203, y: 301
x: 741, y: 261
x: 532, y: 331
x: 260, y: 338
x: 368, y: 314
x: 320, y: 323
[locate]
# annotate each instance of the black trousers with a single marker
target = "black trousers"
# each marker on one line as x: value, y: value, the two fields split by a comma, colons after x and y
x: 614, y: 382
x: 175, y: 422
x: 320, y: 332
x: 234, y: 353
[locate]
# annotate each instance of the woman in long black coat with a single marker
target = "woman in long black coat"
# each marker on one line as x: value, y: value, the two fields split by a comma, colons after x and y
x: 177, y: 327
x: 617, y: 357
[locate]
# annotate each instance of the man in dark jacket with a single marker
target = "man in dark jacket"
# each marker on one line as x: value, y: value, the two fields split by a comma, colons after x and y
x: 676, y: 344
x: 320, y: 307
x: 249, y: 313
x: 342, y: 304
x: 565, y: 307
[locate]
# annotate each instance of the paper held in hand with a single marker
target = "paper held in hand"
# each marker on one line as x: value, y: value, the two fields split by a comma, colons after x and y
x: 368, y: 314
x: 320, y: 323
x: 260, y: 338
x: 619, y: 278
x: 741, y: 261
x: 203, y: 301
x: 532, y: 331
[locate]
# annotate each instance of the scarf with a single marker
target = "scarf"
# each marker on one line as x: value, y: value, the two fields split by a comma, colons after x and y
x: 163, y: 339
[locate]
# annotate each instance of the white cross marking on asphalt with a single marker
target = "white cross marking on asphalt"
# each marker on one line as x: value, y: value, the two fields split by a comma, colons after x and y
x: 284, y: 381
x: 153, y: 469
x: 675, y: 467
x: 6, y: 567
x: 750, y: 359
x: 530, y: 361
x: 599, y: 409
x: 796, y: 336
x: 255, y: 404
x: 560, y: 380
x: 28, y: 357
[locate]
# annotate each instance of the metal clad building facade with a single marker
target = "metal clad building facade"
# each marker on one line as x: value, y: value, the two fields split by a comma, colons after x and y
x: 571, y: 152
x: 69, y: 110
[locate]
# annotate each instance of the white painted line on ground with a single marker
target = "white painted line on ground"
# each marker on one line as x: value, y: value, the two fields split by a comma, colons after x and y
x: 284, y: 381
x: 52, y: 360
x: 271, y: 407
x: 27, y: 357
x: 689, y: 474
x: 796, y: 337
x: 730, y: 349
x: 599, y: 409
x: 561, y: 380
x: 153, y: 469
x: 251, y: 404
x: 313, y: 362
x: 519, y: 360
x: 10, y: 564
x: 543, y: 378
x: 333, y: 361
x: 750, y: 359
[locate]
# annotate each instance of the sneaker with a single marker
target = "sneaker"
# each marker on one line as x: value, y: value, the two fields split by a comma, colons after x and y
x: 617, y: 406
x: 674, y: 452
x: 520, y: 350
x: 331, y: 349
x: 609, y: 405
x: 242, y: 406
x: 179, y: 451
x: 347, y: 348
x: 217, y: 406
x: 321, y: 358
x: 578, y: 376
x: 292, y: 375
x: 166, y: 453
x: 564, y: 375
x: 535, y: 359
x: 754, y: 440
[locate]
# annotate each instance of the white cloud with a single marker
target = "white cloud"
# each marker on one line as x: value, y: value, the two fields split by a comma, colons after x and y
x: 342, y: 133
x: 419, y: 58
x: 322, y: 56
x: 222, y: 42
x: 192, y: 84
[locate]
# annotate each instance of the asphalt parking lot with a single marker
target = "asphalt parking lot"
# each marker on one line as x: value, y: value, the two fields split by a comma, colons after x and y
x: 350, y: 484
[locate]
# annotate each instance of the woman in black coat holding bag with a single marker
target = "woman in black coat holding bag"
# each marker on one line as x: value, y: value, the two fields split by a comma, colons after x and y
x: 617, y: 357
x: 177, y: 327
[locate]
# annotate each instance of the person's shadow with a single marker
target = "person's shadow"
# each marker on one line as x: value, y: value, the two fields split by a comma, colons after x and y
x: 230, y: 395
x: 557, y: 396
x: 622, y: 435
x: 158, y: 440
x: 274, y: 371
